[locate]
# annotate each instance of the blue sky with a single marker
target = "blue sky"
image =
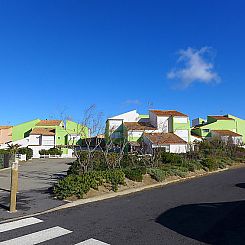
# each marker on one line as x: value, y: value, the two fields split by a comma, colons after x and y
x: 62, y: 56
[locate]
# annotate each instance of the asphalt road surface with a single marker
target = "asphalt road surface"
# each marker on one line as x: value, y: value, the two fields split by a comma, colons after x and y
x: 205, y: 210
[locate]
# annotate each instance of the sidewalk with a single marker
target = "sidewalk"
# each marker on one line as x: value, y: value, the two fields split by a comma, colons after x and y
x: 36, y: 177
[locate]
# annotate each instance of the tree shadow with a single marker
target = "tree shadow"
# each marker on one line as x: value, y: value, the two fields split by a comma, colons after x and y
x: 23, y: 202
x: 241, y: 185
x: 213, y: 223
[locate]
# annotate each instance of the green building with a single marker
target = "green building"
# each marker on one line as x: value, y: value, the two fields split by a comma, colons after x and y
x: 45, y: 134
x: 227, y: 125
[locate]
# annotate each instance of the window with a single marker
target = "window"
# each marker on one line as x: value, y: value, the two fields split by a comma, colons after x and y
x: 205, y: 130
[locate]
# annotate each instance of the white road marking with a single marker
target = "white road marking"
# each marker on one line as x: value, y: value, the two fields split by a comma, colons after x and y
x: 92, y: 241
x: 18, y: 224
x: 38, y: 237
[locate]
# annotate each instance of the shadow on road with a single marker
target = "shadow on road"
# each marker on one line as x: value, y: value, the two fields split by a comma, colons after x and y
x: 241, y: 185
x: 213, y: 223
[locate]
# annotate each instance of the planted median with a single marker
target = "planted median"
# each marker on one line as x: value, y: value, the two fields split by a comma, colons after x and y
x: 97, y: 173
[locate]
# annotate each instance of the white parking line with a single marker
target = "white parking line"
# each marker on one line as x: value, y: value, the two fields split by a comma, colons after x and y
x: 92, y: 241
x: 38, y: 237
x: 18, y: 224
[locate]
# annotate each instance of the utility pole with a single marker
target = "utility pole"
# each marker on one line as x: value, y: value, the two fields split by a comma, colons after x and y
x: 14, y: 186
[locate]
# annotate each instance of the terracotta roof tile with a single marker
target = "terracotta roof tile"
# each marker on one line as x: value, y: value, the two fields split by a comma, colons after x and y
x: 49, y: 123
x: 168, y: 113
x: 43, y: 131
x: 226, y: 133
x: 221, y: 118
x: 164, y: 138
x: 5, y: 127
x: 139, y: 126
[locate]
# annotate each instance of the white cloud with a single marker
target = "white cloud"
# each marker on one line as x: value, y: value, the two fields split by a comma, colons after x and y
x: 194, y: 66
x: 132, y: 102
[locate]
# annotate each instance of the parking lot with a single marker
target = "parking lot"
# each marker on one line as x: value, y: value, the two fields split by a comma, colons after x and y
x: 35, y: 179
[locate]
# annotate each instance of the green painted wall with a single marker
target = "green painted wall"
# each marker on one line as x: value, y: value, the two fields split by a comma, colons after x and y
x: 22, y: 130
x: 240, y: 126
x: 182, y: 126
x: 70, y: 128
x: 143, y: 116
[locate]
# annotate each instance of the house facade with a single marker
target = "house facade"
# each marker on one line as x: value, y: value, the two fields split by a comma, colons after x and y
x: 223, y: 126
x: 45, y: 134
x: 137, y: 129
x: 5, y: 134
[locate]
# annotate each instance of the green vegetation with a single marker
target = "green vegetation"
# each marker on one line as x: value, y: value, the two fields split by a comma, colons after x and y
x: 135, y: 174
x: 24, y: 150
x: 78, y: 185
x: 51, y: 151
x: 112, y: 168
x: 27, y: 151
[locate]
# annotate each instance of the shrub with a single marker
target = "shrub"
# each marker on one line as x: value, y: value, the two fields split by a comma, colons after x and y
x: 157, y: 174
x: 51, y: 151
x: 74, y: 168
x: 78, y: 185
x: 135, y: 174
x: 210, y: 163
x: 4, y: 151
x: 172, y: 158
x: 27, y: 151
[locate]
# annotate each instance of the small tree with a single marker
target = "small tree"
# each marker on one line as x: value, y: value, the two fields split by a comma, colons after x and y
x: 13, y: 149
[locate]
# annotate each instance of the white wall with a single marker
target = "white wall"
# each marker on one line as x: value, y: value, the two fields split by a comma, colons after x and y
x: 48, y: 140
x: 131, y: 116
x: 162, y: 124
x: 114, y: 124
x: 36, y: 150
x: 74, y: 137
x: 35, y: 140
x: 180, y: 119
x: 178, y: 148
x: 183, y: 134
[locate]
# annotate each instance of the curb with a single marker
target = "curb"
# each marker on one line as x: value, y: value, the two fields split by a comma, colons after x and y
x: 2, y: 169
x: 114, y: 194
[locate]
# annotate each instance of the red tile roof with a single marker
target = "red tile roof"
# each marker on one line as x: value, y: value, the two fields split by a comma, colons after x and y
x: 49, y: 123
x: 226, y: 133
x: 164, y: 138
x: 168, y: 113
x: 43, y: 131
x: 221, y: 118
x: 139, y: 126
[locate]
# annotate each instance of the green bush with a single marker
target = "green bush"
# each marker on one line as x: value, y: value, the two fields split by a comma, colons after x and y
x: 172, y: 158
x: 210, y: 164
x: 27, y: 151
x: 51, y: 151
x: 4, y: 151
x: 74, y: 168
x: 157, y: 174
x: 135, y: 174
x: 78, y: 185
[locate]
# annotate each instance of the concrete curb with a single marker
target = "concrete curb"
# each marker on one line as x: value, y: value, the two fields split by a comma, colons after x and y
x: 115, y: 194
x: 2, y: 169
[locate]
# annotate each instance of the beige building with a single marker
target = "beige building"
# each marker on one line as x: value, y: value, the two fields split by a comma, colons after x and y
x: 5, y: 134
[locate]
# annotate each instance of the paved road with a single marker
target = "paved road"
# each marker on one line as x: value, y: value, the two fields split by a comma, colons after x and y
x: 35, y: 179
x: 204, y: 210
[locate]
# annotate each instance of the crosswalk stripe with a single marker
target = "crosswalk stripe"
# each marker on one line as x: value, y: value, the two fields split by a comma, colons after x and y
x: 92, y: 241
x: 38, y: 237
x: 18, y: 224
